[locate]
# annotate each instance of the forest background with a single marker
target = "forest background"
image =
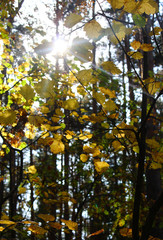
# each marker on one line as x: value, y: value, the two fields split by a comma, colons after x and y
x: 80, y: 120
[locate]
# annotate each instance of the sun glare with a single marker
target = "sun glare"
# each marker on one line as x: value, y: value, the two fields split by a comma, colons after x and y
x: 60, y: 47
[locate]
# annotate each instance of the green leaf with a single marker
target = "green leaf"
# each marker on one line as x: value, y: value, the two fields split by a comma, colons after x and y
x: 139, y: 20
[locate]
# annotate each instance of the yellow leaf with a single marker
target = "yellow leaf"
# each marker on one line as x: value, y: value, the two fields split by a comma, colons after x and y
x: 108, y: 92
x: 129, y: 6
x: 85, y: 76
x: 135, y: 45
x: 83, y: 157
x: 117, y: 4
x: 57, y: 146
x: 109, y: 106
x: 46, y: 217
x: 1, y: 229
x: 37, y: 230
x: 32, y: 169
x: 92, y: 29
x: 27, y: 92
x: 111, y: 67
x: 55, y: 225
x: 71, y: 104
x: 7, y: 222
x: 117, y: 146
x: 120, y: 31
x: 22, y: 190
x: 155, y: 165
x: 100, y: 98
x: 135, y: 55
x: 146, y: 47
x: 72, y: 19
x: 68, y: 136
x: 148, y: 7
x: 157, y: 156
x: 101, y: 166
x: 70, y: 224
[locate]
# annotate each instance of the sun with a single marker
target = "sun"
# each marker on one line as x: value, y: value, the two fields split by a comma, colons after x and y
x: 60, y: 47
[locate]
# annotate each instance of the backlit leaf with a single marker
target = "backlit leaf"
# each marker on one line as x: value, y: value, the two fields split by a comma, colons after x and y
x: 146, y: 47
x: 72, y: 19
x: 57, y: 146
x: 7, y: 117
x: 129, y: 6
x: 1, y: 229
x: 22, y: 190
x: 37, y: 230
x: 135, y: 55
x: 7, y: 222
x: 55, y: 225
x: 121, y: 223
x: 116, y: 4
x: 93, y: 29
x: 32, y: 169
x: 148, y: 7
x: 70, y: 224
x: 46, y: 217
x: 71, y: 104
x: 83, y: 157
x: 27, y: 92
x: 139, y: 20
x: 109, y: 106
x: 110, y: 67
x: 101, y: 166
x: 96, y: 233
x: 135, y: 45
x: 108, y: 92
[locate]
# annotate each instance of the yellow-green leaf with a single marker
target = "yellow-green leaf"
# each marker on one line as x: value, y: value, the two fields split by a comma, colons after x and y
x: 27, y: 92
x: 121, y: 223
x: 72, y: 19
x: 93, y: 29
x: 7, y: 117
x: 109, y: 106
x: 71, y: 104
